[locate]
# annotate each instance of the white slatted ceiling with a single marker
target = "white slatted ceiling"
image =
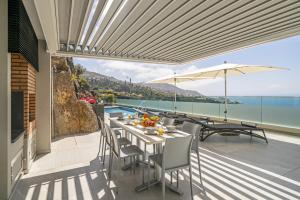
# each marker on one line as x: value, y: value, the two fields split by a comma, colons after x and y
x: 171, y: 31
x: 137, y: 11
x: 234, y: 32
x: 228, y: 31
x: 90, y: 28
x: 110, y: 21
x: 78, y: 17
x: 64, y: 19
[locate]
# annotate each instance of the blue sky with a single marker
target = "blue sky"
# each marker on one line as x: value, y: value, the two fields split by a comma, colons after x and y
x: 282, y: 53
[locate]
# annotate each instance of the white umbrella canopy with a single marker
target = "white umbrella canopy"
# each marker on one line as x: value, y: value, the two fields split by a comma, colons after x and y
x: 174, y: 79
x: 227, y: 69
x: 217, y: 71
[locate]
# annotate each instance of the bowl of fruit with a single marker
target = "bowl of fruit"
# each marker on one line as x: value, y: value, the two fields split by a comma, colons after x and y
x: 148, y: 121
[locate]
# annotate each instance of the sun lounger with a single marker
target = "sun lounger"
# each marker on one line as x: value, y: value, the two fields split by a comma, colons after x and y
x: 243, y: 128
x: 181, y: 117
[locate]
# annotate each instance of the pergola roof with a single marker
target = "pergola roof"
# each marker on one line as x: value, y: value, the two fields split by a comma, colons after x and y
x: 163, y: 31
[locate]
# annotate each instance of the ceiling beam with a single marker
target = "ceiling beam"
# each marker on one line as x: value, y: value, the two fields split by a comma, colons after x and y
x: 47, y: 16
x: 114, y: 57
x: 70, y: 24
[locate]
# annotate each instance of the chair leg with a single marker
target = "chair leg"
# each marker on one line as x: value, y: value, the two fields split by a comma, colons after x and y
x: 265, y: 136
x: 154, y: 152
x: 171, y: 174
x: 103, y: 152
x: 134, y: 164
x: 199, y: 166
x: 148, y: 173
x: 144, y: 159
x: 191, y: 182
x: 117, y: 180
x: 100, y: 145
x: 110, y: 164
x: 163, y: 184
x: 177, y: 177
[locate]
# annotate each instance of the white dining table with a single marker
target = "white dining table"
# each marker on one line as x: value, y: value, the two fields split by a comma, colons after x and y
x: 149, y: 139
x: 141, y: 133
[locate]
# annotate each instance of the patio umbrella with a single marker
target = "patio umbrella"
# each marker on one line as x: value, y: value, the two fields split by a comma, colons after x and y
x: 222, y: 70
x: 174, y: 79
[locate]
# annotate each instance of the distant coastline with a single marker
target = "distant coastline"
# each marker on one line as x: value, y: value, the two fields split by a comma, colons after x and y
x: 267, y: 100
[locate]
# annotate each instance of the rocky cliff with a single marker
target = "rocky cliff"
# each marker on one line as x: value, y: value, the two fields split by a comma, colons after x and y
x: 71, y: 116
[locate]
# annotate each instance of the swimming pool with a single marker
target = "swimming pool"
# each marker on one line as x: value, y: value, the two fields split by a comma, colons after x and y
x: 124, y: 110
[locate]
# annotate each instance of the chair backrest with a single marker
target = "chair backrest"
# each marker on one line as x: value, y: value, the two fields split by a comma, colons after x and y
x: 112, y: 115
x: 114, y: 143
x: 101, y: 124
x: 174, y: 157
x: 99, y: 110
x: 193, y: 129
x: 168, y: 121
x: 107, y: 134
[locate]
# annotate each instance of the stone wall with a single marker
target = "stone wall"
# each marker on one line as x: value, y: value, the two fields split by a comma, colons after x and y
x: 71, y: 116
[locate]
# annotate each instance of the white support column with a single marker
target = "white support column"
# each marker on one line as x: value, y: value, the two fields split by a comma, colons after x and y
x: 44, y: 100
x: 4, y: 102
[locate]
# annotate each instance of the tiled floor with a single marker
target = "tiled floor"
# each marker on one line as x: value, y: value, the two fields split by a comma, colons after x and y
x: 232, y: 168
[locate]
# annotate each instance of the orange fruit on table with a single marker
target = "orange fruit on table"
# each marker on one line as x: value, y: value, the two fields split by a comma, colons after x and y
x: 146, y: 115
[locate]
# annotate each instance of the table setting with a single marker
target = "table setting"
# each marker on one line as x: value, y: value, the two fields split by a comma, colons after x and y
x: 151, y: 125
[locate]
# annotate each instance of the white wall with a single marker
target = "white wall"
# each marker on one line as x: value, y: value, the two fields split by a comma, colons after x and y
x: 4, y: 101
x: 11, y: 152
x: 44, y: 100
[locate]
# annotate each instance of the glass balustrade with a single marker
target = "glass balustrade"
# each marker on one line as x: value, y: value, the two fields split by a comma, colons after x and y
x: 281, y: 111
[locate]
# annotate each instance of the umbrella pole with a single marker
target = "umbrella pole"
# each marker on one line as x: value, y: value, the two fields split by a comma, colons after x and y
x: 175, y: 95
x: 225, y: 111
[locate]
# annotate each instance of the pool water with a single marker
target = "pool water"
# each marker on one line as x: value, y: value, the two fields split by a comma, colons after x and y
x: 124, y: 110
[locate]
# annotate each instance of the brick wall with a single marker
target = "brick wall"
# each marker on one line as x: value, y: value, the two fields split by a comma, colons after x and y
x: 23, y: 78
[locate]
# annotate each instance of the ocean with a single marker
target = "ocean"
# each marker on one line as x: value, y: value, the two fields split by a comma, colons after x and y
x: 267, y: 100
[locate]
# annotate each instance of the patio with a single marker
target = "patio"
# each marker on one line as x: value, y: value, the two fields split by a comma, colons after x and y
x: 147, y: 31
x: 232, y: 168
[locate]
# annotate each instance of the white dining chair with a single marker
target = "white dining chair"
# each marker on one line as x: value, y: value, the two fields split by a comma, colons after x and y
x: 167, y: 121
x: 194, y: 129
x: 173, y: 158
x: 107, y: 142
x: 113, y: 125
x: 119, y: 152
x: 102, y: 136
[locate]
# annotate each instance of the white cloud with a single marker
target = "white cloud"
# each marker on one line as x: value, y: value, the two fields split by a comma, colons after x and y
x: 275, y: 86
x: 138, y: 72
x: 143, y: 72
